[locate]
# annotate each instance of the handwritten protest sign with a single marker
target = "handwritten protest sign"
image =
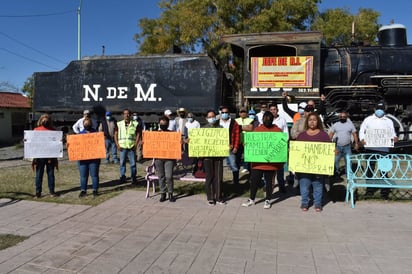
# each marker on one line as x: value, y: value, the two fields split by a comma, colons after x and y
x: 379, y: 137
x: 266, y: 147
x: 162, y: 145
x: 86, y: 146
x: 209, y: 142
x: 43, y: 144
x: 312, y: 157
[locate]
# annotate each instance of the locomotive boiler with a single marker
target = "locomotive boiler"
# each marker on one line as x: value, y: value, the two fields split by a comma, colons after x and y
x: 352, y: 78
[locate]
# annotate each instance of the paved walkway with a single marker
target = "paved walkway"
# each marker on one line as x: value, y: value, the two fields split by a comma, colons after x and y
x: 131, y: 234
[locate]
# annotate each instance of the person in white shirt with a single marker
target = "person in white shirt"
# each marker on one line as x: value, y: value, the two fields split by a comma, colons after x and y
x: 181, y: 120
x: 78, y: 126
x: 172, y: 122
x: 259, y: 116
x: 377, y: 121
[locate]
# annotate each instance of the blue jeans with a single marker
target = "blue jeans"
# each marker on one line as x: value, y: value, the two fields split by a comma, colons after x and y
x: 342, y: 152
x: 233, y: 162
x: 164, y: 169
x: 111, y: 147
x: 131, y: 155
x: 316, y: 182
x: 86, y: 168
x: 49, y: 164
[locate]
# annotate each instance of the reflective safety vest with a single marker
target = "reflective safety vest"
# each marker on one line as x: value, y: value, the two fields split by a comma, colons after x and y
x: 127, y: 135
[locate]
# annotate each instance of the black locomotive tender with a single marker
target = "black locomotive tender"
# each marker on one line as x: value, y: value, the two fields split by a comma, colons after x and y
x: 352, y: 78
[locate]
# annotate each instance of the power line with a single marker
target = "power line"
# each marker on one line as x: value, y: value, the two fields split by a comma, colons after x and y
x: 30, y: 47
x: 38, y: 15
x: 27, y: 58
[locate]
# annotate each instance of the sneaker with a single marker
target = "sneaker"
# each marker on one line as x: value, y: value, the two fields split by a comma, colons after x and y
x: 211, y: 203
x: 82, y: 194
x: 95, y: 194
x: 123, y: 179
x: 38, y: 195
x: 221, y: 202
x: 267, y: 205
x: 244, y: 170
x: 54, y: 194
x: 248, y: 203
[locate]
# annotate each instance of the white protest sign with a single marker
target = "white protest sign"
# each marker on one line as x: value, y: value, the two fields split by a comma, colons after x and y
x: 382, y: 137
x: 43, y: 144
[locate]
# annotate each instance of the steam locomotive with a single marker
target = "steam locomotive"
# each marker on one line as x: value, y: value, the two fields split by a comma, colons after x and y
x: 352, y: 78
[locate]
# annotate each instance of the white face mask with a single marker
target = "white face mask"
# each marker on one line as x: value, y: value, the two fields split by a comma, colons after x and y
x: 108, y: 118
x: 135, y: 118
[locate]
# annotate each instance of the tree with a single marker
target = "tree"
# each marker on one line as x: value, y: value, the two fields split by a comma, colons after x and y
x: 196, y: 25
x: 28, y: 89
x: 336, y: 26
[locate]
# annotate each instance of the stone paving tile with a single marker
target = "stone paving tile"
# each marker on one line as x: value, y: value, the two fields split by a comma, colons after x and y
x: 131, y: 234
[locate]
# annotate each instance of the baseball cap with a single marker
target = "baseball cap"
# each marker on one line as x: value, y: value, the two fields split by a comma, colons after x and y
x: 380, y: 105
x: 252, y: 112
x: 167, y: 112
x: 86, y: 112
x: 302, y: 105
x: 108, y: 113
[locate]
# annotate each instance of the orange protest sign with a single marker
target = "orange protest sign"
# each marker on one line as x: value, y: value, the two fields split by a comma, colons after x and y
x: 162, y: 145
x: 86, y: 146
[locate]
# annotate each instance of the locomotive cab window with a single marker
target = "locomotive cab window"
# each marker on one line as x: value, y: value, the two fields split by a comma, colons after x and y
x: 270, y: 51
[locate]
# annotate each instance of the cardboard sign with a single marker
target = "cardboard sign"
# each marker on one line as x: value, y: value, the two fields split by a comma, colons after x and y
x: 43, y: 144
x: 162, y: 145
x: 312, y: 157
x: 86, y: 146
x: 266, y: 147
x: 379, y: 137
x: 209, y: 142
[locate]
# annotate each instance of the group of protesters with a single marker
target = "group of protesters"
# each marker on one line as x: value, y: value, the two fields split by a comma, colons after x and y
x: 125, y: 137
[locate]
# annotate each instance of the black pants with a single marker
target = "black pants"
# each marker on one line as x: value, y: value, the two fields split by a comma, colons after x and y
x: 256, y: 177
x: 214, y: 176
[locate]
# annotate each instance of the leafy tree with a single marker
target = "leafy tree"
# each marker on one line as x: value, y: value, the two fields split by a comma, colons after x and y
x: 28, y: 89
x: 196, y: 25
x: 336, y: 26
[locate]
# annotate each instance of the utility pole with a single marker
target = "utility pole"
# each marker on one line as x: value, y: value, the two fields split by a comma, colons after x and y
x: 79, y: 9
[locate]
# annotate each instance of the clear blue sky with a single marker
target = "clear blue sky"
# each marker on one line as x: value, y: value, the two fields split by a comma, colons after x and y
x: 31, y: 42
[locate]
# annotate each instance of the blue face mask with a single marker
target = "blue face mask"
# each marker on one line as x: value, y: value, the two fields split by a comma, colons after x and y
x: 190, y: 119
x: 301, y: 111
x: 252, y: 117
x: 211, y: 120
x: 225, y: 116
x: 379, y: 113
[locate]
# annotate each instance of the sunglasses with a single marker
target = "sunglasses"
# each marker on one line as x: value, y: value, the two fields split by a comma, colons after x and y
x: 224, y: 112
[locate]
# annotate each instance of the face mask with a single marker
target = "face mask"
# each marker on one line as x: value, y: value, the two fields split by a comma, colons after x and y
x: 45, y: 123
x: 342, y: 120
x: 225, y: 116
x: 252, y: 117
x: 211, y: 120
x: 108, y: 118
x: 190, y: 119
x: 163, y: 127
x: 379, y: 113
x: 301, y: 111
x: 267, y: 123
x: 135, y: 118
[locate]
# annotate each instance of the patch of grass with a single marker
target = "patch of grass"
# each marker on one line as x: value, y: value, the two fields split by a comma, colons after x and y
x: 9, y: 240
x: 17, y: 183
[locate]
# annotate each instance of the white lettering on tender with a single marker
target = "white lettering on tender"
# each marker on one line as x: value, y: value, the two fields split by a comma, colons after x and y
x: 93, y: 93
x: 142, y: 96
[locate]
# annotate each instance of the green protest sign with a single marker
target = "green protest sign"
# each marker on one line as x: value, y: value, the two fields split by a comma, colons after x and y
x: 208, y: 142
x: 266, y: 147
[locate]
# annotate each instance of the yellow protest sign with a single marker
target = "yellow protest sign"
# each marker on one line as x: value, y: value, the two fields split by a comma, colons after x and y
x: 312, y: 157
x: 209, y: 142
x: 86, y: 146
x: 162, y: 145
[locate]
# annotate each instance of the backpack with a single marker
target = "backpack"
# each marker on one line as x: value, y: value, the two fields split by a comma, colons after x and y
x: 199, y: 170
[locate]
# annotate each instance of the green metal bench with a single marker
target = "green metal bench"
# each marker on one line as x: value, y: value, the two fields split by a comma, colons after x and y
x: 377, y: 171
